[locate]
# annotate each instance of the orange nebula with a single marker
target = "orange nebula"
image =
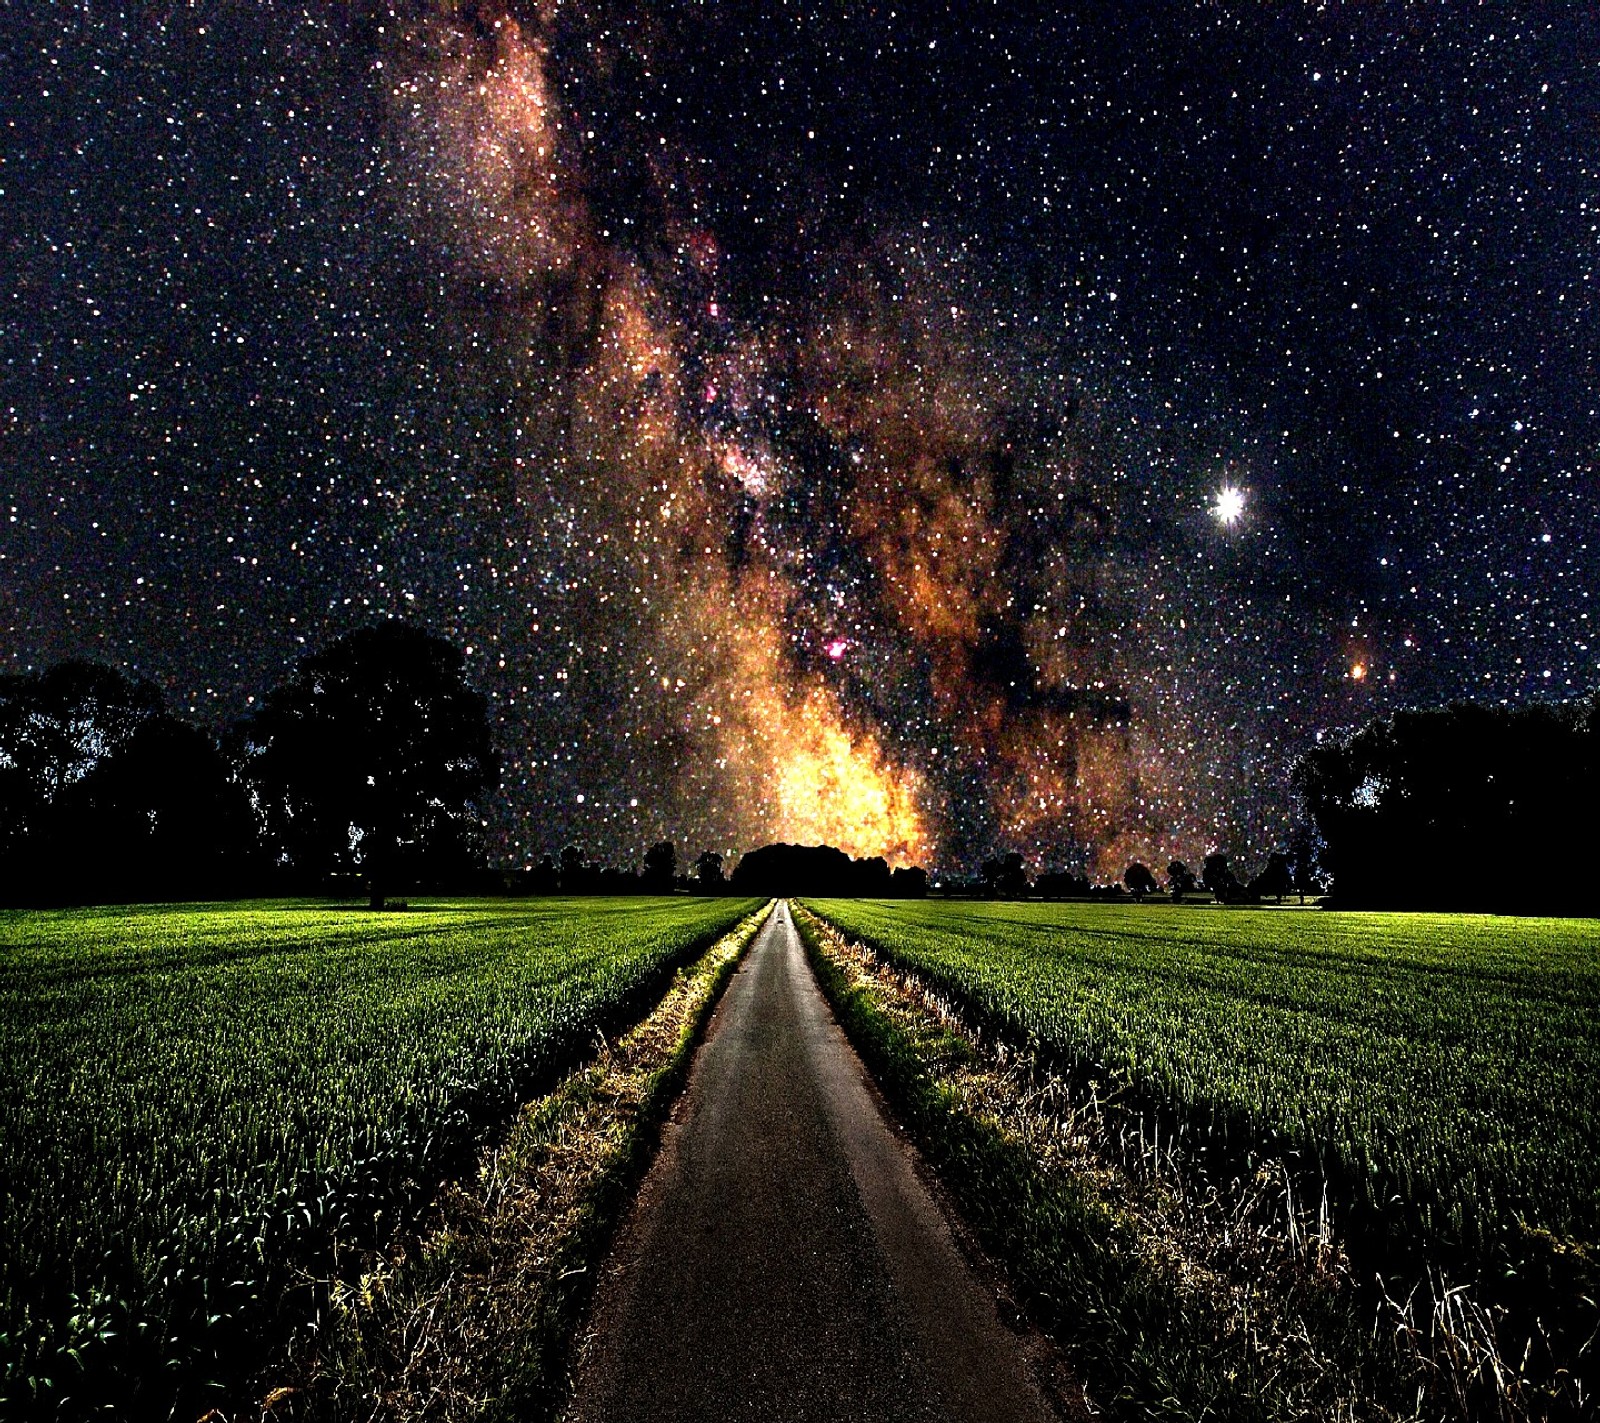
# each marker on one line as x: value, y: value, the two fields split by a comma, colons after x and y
x: 835, y: 788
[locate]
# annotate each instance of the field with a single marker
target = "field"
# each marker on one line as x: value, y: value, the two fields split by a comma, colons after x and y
x: 200, y: 1106
x: 1435, y: 1078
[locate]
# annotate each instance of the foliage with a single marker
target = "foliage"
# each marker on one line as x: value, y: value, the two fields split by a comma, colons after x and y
x: 228, y: 1096
x: 820, y: 869
x: 105, y: 795
x: 1437, y: 1075
x: 372, y: 757
x: 1461, y: 807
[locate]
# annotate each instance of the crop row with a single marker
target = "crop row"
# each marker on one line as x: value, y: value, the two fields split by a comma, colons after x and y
x: 1442, y: 1072
x: 198, y: 1105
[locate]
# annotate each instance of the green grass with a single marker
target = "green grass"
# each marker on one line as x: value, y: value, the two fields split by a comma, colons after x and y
x: 198, y: 1104
x: 1432, y: 1078
x: 1454, y: 1059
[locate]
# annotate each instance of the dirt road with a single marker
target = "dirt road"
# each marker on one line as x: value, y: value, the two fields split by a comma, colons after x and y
x: 785, y: 1260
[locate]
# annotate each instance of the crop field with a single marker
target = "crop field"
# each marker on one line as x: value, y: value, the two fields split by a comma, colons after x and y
x: 1441, y: 1072
x: 201, y: 1105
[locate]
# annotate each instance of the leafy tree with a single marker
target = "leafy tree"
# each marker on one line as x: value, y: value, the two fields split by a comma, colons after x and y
x: 660, y: 865
x: 575, y: 872
x: 909, y: 882
x: 1139, y: 879
x: 1274, y: 879
x: 55, y: 727
x: 1401, y: 805
x: 373, y: 757
x: 1217, y: 877
x: 1005, y: 876
x: 104, y: 795
x: 1180, y: 879
x: 708, y: 873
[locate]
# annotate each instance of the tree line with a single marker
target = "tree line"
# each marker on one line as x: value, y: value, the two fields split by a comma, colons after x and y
x: 371, y: 764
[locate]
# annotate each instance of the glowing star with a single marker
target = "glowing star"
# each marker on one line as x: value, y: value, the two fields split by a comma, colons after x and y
x: 1229, y: 508
x: 837, y: 648
x: 1358, y: 673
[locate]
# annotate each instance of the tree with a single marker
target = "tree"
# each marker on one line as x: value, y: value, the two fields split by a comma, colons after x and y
x: 575, y: 872
x: 1303, y: 863
x: 1404, y: 804
x: 708, y: 873
x: 372, y: 758
x: 660, y: 865
x: 909, y: 882
x: 1139, y: 879
x: 1005, y: 876
x: 56, y: 726
x: 104, y: 795
x: 1218, y: 878
x: 1274, y: 878
x: 1180, y: 879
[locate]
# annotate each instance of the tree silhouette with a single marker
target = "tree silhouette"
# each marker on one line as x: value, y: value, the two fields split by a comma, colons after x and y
x: 1274, y: 878
x: 1180, y: 879
x: 1139, y: 879
x: 1403, y: 805
x: 708, y: 872
x: 1005, y: 876
x: 660, y: 865
x: 372, y: 757
x: 1216, y: 876
x: 105, y: 795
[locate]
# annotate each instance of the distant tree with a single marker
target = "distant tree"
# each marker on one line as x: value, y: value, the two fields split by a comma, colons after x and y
x: 1274, y: 879
x: 104, y: 795
x: 575, y: 873
x: 1062, y: 884
x: 1303, y: 863
x: 909, y: 882
x: 1403, y: 804
x: 1180, y: 879
x: 1139, y: 880
x: 660, y: 866
x: 373, y: 756
x: 1217, y: 877
x: 811, y: 869
x: 1005, y: 877
x: 708, y: 873
x: 55, y: 727
x: 542, y: 878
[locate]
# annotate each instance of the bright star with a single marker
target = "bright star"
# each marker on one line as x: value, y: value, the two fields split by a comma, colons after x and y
x: 1229, y: 507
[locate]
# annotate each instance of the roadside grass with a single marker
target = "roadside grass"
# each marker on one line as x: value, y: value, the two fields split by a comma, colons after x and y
x: 208, y: 1112
x: 1183, y: 1283
x: 474, y: 1316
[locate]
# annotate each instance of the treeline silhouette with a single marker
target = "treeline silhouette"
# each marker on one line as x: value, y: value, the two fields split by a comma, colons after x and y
x: 365, y: 768
x: 1463, y: 807
x: 369, y: 766
x: 822, y: 870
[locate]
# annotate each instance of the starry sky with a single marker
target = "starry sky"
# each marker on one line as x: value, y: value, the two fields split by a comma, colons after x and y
x: 929, y: 428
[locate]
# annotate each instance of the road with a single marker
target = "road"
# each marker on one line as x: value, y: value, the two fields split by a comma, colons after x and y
x: 785, y: 1260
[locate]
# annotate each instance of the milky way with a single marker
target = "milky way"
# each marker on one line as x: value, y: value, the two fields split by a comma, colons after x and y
x: 928, y: 429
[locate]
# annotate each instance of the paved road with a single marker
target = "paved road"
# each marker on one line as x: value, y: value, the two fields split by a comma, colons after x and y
x: 785, y: 1261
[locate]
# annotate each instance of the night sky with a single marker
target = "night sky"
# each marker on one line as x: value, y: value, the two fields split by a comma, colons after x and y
x: 931, y: 429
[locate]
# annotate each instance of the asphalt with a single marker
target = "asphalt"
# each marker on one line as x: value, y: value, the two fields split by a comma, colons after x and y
x: 786, y: 1259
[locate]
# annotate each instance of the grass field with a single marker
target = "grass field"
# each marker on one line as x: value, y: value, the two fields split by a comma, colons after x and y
x: 198, y: 1105
x: 1455, y: 1058
x: 1435, y: 1077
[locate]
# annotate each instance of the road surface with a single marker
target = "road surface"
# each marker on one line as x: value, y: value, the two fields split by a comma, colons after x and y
x: 785, y: 1260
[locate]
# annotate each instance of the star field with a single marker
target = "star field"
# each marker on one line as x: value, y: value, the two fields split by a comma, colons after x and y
x: 934, y: 429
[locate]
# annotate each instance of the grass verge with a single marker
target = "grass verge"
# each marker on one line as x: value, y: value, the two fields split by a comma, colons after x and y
x: 473, y: 1318
x: 1173, y: 1299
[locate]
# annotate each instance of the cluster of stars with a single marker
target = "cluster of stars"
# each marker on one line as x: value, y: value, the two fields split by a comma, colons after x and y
x: 935, y: 431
